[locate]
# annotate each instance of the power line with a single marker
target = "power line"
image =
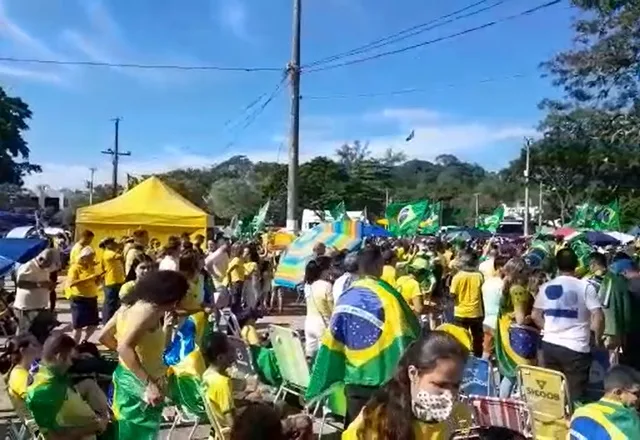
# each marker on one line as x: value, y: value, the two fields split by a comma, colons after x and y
x: 408, y: 91
x: 251, y: 117
x: 437, y: 40
x: 409, y: 32
x: 138, y: 66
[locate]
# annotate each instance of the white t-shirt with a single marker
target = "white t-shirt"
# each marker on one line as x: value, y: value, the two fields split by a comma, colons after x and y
x: 339, y: 285
x: 169, y: 263
x: 35, y: 298
x: 217, y: 263
x: 491, y: 296
x: 567, y: 302
x: 487, y: 268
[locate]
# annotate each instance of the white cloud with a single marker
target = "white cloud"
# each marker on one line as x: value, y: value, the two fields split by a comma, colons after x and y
x: 432, y: 138
x: 407, y: 115
x: 233, y: 16
x: 28, y: 46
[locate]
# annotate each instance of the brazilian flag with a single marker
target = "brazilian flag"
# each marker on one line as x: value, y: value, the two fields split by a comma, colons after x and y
x: 370, y: 329
x: 604, y: 420
x: 186, y: 364
x: 55, y: 405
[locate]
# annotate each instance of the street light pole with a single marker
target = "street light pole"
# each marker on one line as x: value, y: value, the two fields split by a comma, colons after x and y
x: 527, y: 144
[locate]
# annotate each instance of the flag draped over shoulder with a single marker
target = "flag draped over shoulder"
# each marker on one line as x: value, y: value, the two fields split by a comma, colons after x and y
x: 604, y: 419
x: 431, y: 221
x: 370, y: 329
x: 186, y: 364
x: 492, y: 222
x: 46, y: 397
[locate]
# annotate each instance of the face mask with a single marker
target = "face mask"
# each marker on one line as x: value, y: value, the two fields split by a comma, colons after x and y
x: 432, y: 408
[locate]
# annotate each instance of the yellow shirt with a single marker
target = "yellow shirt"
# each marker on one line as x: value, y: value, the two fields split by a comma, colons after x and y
x: 250, y: 335
x: 236, y: 270
x: 409, y: 288
x: 127, y: 288
x: 319, y: 300
x: 113, y: 268
x: 87, y: 289
x: 19, y: 380
x: 460, y: 418
x: 389, y: 275
x: 150, y: 348
x: 75, y: 253
x: 467, y: 294
x: 250, y: 268
x: 219, y: 392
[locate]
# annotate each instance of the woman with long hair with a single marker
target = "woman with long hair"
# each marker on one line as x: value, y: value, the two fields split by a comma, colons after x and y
x: 516, y: 336
x: 420, y: 401
x: 136, y: 331
x: 319, y: 298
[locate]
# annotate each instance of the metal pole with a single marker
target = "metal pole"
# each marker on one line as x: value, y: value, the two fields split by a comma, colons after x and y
x: 294, y: 134
x: 116, y: 153
x: 526, y: 187
x: 540, y: 206
x: 93, y: 171
x: 477, y: 195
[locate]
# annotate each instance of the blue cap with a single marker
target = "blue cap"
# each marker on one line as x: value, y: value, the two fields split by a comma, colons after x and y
x: 621, y: 266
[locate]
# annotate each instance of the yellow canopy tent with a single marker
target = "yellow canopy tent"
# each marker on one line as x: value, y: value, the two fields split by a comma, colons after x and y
x: 152, y: 206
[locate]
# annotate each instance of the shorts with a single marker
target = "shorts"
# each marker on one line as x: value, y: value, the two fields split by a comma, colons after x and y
x: 84, y: 312
x: 25, y: 319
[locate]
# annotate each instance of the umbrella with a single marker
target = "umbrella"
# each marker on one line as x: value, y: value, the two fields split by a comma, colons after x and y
x: 21, y: 250
x: 374, y: 231
x: 621, y: 236
x: 345, y: 235
x: 596, y: 238
x: 465, y: 234
x: 564, y: 232
x: 18, y: 250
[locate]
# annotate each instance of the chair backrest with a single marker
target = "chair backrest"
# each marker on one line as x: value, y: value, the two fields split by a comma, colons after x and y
x: 242, y: 356
x: 290, y: 356
x: 220, y: 432
x: 231, y: 321
x: 476, y: 379
x: 547, y: 396
x: 492, y: 412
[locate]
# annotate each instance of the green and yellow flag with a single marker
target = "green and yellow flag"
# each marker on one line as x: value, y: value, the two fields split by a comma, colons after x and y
x: 492, y: 222
x: 386, y: 327
x: 257, y: 224
x: 339, y: 212
x: 606, y: 217
x: 430, y: 224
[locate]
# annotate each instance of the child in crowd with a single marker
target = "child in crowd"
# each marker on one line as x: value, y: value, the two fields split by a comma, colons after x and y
x: 219, y: 390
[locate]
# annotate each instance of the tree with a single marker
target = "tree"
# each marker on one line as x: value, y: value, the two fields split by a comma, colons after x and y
x: 352, y: 155
x: 14, y: 151
x: 233, y: 196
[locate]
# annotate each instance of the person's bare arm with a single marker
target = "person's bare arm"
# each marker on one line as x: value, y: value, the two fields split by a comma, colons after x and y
x: 597, y: 324
x: 418, y: 304
x: 537, y: 315
x: 107, y: 335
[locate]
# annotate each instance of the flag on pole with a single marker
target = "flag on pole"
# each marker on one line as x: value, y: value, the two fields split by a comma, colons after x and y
x: 339, y: 212
x: 606, y: 217
x: 260, y: 218
x: 492, y: 222
x: 410, y: 216
x: 431, y: 222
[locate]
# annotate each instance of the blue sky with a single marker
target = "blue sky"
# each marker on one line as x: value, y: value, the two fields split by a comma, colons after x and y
x: 178, y: 118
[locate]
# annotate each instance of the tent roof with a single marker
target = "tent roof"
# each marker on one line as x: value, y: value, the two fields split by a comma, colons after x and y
x: 151, y: 202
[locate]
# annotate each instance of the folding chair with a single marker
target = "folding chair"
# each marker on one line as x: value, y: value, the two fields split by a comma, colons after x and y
x: 291, y: 359
x: 230, y: 322
x: 477, y: 378
x: 547, y: 396
x: 491, y: 412
x: 219, y: 432
x: 332, y: 402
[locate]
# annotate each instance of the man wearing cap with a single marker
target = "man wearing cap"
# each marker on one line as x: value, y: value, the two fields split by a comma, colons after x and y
x: 32, y: 288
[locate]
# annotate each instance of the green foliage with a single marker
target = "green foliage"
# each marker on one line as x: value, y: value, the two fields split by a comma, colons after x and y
x: 14, y: 151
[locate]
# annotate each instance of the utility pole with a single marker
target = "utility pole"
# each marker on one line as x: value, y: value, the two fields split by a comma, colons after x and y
x: 294, y: 134
x: 540, y: 206
x: 477, y: 196
x: 527, y: 145
x: 386, y: 197
x: 115, y: 153
x: 93, y: 172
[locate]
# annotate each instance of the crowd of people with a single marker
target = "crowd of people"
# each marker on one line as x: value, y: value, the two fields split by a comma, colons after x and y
x: 502, y: 309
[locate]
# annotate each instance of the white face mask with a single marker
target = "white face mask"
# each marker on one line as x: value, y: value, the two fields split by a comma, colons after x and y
x: 432, y: 408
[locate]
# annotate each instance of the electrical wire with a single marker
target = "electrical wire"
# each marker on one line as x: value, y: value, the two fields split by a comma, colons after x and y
x: 439, y: 39
x: 408, y: 33
x: 251, y: 117
x: 138, y: 66
x: 408, y: 91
